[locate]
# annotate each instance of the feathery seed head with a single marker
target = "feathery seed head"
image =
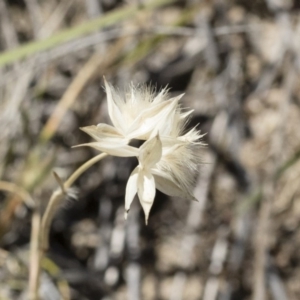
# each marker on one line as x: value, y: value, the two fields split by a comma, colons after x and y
x: 169, y: 157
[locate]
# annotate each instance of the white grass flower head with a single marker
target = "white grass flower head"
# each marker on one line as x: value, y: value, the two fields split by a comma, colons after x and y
x: 135, y: 114
x: 168, y: 159
x: 175, y: 172
x: 168, y: 165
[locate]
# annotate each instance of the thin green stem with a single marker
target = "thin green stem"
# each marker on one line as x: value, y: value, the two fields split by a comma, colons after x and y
x: 108, y: 19
x: 82, y: 169
x: 58, y: 196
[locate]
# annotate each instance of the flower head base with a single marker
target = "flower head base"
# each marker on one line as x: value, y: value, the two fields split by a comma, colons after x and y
x: 168, y: 158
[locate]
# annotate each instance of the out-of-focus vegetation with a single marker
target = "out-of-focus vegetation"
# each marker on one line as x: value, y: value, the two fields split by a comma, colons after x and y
x: 238, y: 63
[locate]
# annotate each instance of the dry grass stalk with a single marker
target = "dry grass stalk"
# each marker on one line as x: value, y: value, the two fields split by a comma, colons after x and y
x: 35, y: 259
x: 15, y: 189
x: 39, y: 241
x: 93, y: 65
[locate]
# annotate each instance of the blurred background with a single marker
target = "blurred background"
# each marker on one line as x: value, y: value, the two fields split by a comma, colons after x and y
x: 238, y: 63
